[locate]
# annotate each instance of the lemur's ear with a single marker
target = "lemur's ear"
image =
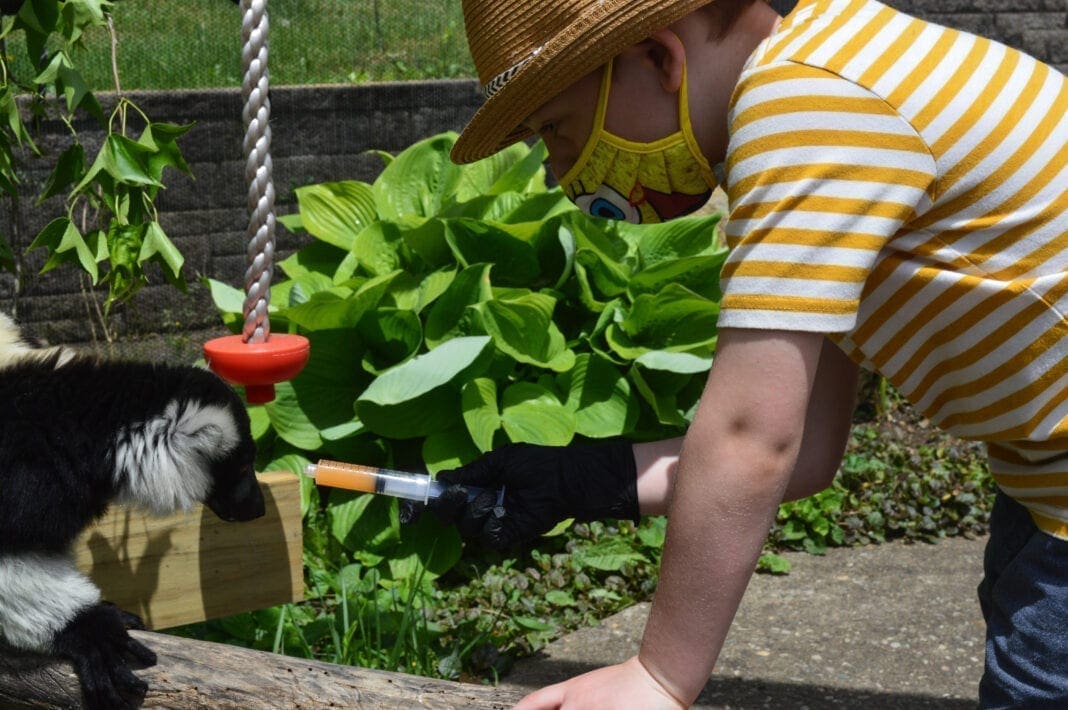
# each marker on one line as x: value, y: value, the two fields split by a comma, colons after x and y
x: 203, y: 430
x: 164, y: 463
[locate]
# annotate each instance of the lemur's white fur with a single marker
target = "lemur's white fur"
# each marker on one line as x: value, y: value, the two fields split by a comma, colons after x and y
x: 161, y: 464
x: 39, y: 595
x: 14, y: 350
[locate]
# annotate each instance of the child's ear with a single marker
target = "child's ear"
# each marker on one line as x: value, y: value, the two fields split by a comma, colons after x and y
x: 668, y: 55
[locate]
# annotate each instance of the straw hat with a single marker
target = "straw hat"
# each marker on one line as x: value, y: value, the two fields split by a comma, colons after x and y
x: 526, y: 52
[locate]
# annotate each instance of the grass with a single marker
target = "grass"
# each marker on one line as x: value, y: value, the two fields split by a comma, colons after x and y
x: 197, y: 43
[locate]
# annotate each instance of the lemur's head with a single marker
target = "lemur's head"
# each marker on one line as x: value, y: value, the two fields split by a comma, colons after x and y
x: 199, y: 449
x: 235, y: 493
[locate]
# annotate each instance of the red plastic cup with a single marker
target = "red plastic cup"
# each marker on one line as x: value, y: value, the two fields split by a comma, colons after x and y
x: 257, y: 366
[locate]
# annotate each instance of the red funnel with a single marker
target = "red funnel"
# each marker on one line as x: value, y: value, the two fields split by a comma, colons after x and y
x: 257, y: 366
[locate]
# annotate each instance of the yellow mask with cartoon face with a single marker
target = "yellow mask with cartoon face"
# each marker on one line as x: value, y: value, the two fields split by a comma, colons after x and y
x: 639, y: 182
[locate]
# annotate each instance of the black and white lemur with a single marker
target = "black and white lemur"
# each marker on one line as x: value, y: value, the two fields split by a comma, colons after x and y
x: 76, y: 434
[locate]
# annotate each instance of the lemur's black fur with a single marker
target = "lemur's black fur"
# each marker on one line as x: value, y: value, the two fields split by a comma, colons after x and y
x: 76, y: 434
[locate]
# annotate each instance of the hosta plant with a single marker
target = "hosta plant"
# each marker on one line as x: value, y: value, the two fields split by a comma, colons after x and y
x: 454, y: 309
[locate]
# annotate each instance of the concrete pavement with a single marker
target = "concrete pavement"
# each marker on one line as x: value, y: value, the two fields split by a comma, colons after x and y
x: 886, y: 626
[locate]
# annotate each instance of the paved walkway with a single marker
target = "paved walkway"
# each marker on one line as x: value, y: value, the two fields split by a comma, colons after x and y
x: 889, y: 626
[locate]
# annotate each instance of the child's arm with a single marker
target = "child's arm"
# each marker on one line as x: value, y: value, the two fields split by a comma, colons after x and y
x: 827, y: 426
x: 734, y: 468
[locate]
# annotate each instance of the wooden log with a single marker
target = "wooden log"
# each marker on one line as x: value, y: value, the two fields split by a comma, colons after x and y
x: 200, y: 674
x: 190, y: 567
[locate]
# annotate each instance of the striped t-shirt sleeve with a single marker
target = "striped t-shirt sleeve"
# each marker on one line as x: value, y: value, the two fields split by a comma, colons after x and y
x: 821, y: 174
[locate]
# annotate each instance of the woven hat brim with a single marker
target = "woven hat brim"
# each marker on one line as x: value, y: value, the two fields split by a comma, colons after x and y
x: 593, y: 39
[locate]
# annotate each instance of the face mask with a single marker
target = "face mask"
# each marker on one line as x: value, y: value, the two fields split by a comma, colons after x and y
x: 640, y: 182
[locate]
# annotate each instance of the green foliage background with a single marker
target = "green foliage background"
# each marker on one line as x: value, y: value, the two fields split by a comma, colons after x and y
x: 454, y: 309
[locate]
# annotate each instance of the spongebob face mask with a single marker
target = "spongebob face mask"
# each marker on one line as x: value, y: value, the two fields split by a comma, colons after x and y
x: 639, y: 182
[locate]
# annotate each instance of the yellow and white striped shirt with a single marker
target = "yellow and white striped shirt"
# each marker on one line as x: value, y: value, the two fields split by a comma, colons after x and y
x: 903, y: 187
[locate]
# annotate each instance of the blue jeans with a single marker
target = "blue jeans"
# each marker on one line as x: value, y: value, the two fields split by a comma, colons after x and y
x: 1024, y: 598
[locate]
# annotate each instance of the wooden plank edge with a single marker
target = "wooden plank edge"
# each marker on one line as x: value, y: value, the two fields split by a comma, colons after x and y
x: 197, y: 674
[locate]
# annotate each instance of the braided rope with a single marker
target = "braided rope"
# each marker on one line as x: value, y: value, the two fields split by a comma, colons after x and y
x: 257, y: 145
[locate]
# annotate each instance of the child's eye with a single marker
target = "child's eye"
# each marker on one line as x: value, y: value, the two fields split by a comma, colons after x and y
x: 547, y: 129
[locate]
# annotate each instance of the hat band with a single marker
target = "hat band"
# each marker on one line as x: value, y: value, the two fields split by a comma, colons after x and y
x: 496, y: 83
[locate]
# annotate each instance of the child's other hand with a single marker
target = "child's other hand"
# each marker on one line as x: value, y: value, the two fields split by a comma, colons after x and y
x: 627, y: 685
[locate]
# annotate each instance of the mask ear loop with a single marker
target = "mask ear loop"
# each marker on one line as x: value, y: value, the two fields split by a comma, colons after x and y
x: 687, y: 130
x: 595, y: 131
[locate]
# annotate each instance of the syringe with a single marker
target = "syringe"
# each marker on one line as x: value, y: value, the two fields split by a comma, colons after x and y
x: 371, y: 479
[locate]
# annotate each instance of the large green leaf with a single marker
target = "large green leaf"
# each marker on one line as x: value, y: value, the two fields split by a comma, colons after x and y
x: 446, y: 450
x: 321, y: 396
x: 608, y: 278
x: 427, y: 549
x: 426, y: 372
x: 339, y: 307
x: 600, y: 397
x: 508, y: 170
x: 666, y: 241
x: 390, y: 336
x: 662, y: 400
x: 162, y: 139
x: 483, y: 420
x: 226, y: 298
x: 125, y: 160
x: 681, y: 363
x: 415, y: 292
x: 317, y: 257
x: 362, y: 521
x: 65, y: 244
x: 418, y: 180
x: 532, y: 414
x: 539, y: 207
x: 671, y: 382
x: 335, y: 212
x: 426, y: 239
x: 675, y: 319
x: 700, y: 274
x: 377, y: 248
x: 159, y: 248
x: 525, y: 173
x: 70, y: 166
x: 474, y: 242
x: 417, y: 398
x: 523, y: 328
x: 449, y: 317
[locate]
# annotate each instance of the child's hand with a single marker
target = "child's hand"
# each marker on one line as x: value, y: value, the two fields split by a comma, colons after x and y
x: 627, y: 685
x: 543, y: 485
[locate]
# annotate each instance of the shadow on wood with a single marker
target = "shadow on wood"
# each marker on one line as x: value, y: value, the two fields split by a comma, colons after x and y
x: 191, y: 567
x: 200, y: 674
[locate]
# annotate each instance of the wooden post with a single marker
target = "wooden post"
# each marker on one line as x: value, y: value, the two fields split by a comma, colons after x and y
x: 191, y: 567
x: 199, y: 674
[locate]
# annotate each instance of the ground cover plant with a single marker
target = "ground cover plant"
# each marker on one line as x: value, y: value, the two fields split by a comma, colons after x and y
x: 455, y: 309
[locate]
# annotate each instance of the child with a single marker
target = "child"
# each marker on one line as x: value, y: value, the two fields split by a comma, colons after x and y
x: 898, y: 201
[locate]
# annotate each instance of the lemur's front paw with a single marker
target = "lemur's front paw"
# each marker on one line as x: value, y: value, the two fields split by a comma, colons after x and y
x: 97, y: 643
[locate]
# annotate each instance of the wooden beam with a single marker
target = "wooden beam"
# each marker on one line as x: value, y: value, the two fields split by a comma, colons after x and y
x: 191, y: 567
x: 199, y: 674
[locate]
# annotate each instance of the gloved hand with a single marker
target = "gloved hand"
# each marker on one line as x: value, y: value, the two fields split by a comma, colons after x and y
x: 543, y: 485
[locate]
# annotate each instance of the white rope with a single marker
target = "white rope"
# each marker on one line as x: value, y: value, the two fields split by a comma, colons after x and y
x: 257, y: 148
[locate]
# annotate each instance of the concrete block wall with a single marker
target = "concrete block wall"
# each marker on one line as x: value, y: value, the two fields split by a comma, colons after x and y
x: 1038, y: 27
x: 322, y: 133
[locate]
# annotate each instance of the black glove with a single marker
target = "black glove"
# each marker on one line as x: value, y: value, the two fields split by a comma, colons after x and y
x: 543, y: 485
